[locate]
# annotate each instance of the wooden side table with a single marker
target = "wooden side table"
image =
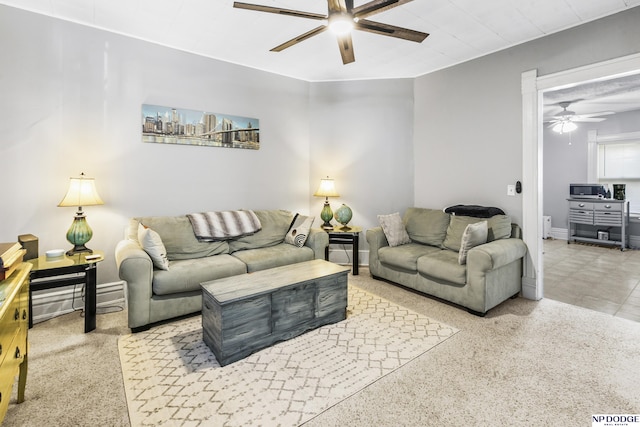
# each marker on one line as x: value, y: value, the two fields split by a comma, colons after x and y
x: 49, y: 273
x: 346, y: 235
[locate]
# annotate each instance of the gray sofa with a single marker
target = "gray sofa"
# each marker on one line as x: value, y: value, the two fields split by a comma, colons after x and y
x: 155, y: 294
x: 430, y: 264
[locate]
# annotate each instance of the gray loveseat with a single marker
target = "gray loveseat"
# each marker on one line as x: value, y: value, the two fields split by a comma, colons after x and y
x: 155, y: 294
x: 429, y: 263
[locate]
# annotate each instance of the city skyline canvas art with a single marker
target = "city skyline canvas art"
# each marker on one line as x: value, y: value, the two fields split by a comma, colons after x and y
x: 170, y: 125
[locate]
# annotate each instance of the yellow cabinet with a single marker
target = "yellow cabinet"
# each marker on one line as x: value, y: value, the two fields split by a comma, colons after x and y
x: 14, y: 325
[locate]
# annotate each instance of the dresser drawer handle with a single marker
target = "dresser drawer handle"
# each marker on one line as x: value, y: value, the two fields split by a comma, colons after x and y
x: 17, y: 352
x: 0, y: 349
x: 607, y: 206
x: 24, y: 314
x: 581, y: 205
x: 16, y: 315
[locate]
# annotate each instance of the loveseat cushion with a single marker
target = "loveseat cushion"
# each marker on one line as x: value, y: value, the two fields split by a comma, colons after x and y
x: 498, y: 227
x: 404, y: 257
x: 443, y: 265
x: 428, y: 226
x: 178, y: 238
x: 186, y: 275
x: 273, y: 256
x: 275, y: 224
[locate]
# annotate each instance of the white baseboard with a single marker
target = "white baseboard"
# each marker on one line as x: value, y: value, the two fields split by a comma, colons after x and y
x: 55, y: 302
x: 345, y: 256
x: 559, y: 233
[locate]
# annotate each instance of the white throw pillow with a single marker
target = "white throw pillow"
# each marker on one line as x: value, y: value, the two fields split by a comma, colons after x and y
x: 474, y: 235
x: 394, y: 229
x: 299, y: 230
x: 152, y: 244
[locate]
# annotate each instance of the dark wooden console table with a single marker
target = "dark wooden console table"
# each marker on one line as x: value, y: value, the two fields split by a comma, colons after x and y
x: 49, y: 273
x: 346, y: 235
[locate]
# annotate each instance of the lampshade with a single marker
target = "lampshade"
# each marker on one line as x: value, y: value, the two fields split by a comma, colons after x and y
x: 565, y: 126
x: 327, y: 189
x: 82, y: 192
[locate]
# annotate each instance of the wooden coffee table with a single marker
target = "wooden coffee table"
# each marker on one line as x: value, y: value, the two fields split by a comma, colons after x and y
x: 246, y: 313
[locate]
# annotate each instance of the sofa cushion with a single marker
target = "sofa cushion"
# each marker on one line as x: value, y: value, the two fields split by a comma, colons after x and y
x: 428, y: 226
x: 153, y: 246
x: 273, y: 256
x: 177, y: 235
x: 275, y: 224
x: 404, y: 257
x: 186, y: 275
x: 499, y: 227
x: 474, y: 235
x: 393, y: 229
x: 443, y: 265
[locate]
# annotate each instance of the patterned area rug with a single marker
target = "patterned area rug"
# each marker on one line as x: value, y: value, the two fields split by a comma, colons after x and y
x: 172, y: 378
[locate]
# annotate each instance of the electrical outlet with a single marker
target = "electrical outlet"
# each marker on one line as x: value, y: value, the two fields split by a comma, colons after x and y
x: 511, y: 190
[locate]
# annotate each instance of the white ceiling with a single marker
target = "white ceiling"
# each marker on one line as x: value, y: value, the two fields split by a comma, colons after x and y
x: 459, y: 30
x: 618, y: 94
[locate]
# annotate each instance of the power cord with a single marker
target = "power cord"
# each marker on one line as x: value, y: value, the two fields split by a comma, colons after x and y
x: 105, y: 309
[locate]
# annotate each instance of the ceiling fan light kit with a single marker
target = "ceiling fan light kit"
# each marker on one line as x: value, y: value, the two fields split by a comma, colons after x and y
x: 342, y: 17
x: 564, y: 122
x: 340, y: 24
x: 564, y: 127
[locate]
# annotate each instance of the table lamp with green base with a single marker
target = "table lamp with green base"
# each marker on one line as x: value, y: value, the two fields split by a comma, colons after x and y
x: 81, y: 192
x: 327, y: 189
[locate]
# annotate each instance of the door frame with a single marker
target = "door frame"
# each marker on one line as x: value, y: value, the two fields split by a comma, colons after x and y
x: 533, y: 88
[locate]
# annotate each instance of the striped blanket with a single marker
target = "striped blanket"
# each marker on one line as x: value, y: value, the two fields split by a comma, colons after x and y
x: 212, y: 226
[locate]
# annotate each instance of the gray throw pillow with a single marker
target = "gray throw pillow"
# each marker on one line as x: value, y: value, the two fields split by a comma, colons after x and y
x: 393, y: 229
x: 474, y: 235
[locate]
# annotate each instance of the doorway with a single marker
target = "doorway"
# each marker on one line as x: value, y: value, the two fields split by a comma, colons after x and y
x: 533, y: 88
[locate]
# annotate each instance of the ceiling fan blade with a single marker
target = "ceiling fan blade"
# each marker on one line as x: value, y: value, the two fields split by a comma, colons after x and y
x: 376, y: 6
x: 349, y: 4
x: 337, y: 6
x: 346, y: 49
x: 588, y: 119
x: 602, y: 113
x: 300, y: 38
x: 390, y: 30
x: 278, y: 11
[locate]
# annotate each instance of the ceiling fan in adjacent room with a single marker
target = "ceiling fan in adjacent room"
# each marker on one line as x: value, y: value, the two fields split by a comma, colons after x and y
x: 341, y: 18
x: 565, y: 121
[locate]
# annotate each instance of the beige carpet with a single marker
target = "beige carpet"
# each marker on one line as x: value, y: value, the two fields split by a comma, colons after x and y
x: 542, y: 363
x: 172, y: 378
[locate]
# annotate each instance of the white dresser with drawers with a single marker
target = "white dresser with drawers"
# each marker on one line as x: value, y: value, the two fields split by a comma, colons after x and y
x: 600, y: 221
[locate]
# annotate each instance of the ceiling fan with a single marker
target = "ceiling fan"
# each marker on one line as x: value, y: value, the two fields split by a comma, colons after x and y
x: 565, y: 121
x: 341, y: 17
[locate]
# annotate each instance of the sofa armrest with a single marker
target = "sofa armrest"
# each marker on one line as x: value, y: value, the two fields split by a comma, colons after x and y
x: 136, y: 268
x: 318, y: 240
x: 376, y: 239
x: 496, y: 254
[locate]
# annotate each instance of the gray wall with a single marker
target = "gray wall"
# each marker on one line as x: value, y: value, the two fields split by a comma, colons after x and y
x: 71, y: 99
x: 468, y: 118
x: 361, y: 135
